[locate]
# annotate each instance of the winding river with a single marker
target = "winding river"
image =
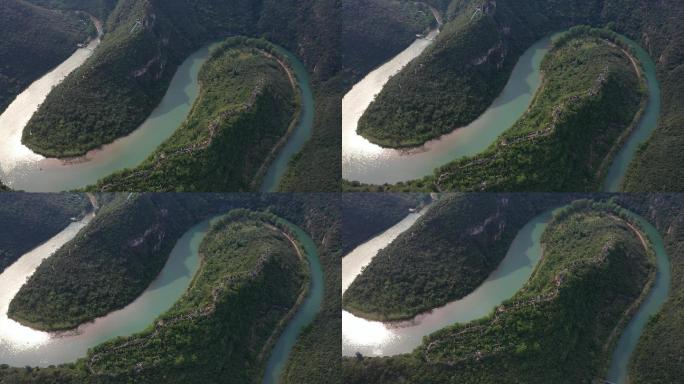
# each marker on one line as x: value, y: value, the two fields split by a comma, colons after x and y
x: 629, y: 338
x: 373, y: 338
x: 22, y: 346
x: 647, y: 124
x: 305, y: 313
x: 22, y: 169
x: 303, y: 130
x: 369, y: 163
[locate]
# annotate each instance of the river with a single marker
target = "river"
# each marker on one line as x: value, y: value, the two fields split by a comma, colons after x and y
x: 22, y: 346
x: 366, y: 162
x: 658, y: 294
x: 645, y: 127
x: 302, y: 131
x: 22, y: 169
x: 306, y: 312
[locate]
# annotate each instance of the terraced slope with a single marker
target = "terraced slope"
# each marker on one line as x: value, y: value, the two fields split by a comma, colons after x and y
x: 246, y: 107
x: 33, y: 40
x: 558, y: 328
x: 444, y: 256
x: 315, y: 357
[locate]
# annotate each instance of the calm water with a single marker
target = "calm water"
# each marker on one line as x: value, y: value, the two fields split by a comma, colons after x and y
x: 22, y: 169
x: 21, y: 346
x: 648, y: 123
x: 373, y: 338
x: 305, y: 313
x: 369, y: 163
x: 654, y: 301
x: 302, y: 131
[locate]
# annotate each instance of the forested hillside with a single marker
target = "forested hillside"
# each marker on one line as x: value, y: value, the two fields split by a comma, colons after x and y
x: 590, y: 100
x: 558, y: 328
x: 97, y: 8
x: 249, y: 278
x: 33, y: 40
x: 446, y: 254
x: 248, y: 103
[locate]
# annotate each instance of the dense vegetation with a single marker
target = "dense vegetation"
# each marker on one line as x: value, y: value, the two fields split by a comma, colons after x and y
x: 314, y: 34
x: 442, y: 88
x: 117, y: 88
x: 315, y: 358
x: 658, y: 164
x: 446, y: 254
x: 28, y: 220
x: 559, y: 327
x: 33, y: 40
x: 244, y: 110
